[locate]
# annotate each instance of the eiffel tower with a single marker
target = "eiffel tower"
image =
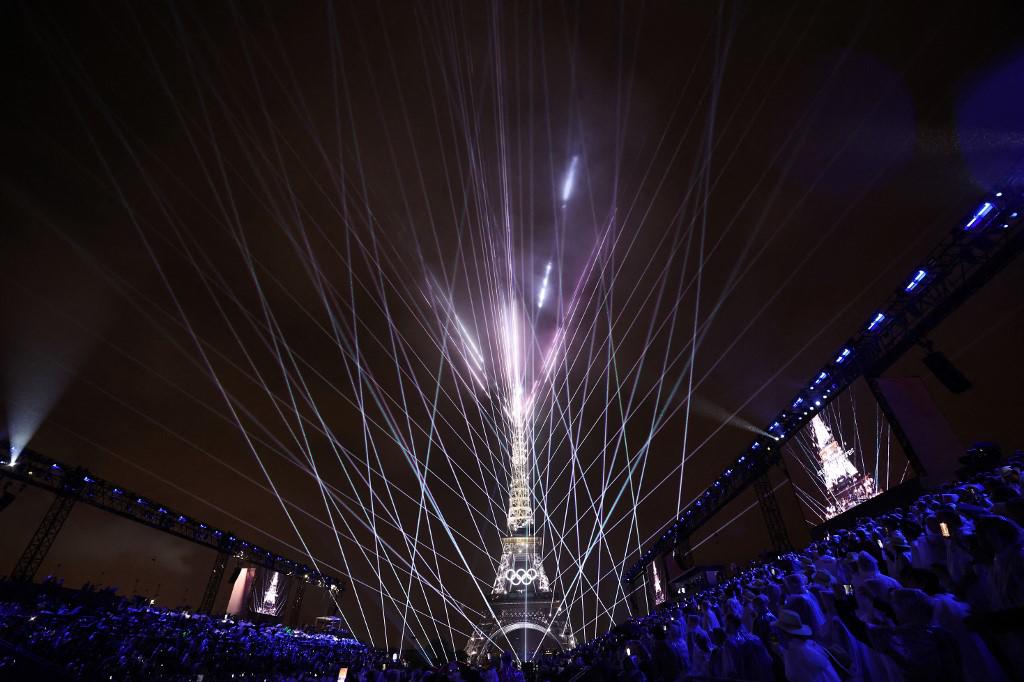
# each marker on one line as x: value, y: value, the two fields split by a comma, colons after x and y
x: 528, y: 617
x: 845, y: 486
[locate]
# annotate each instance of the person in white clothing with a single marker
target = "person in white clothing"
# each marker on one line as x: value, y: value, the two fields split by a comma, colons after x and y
x: 804, y: 659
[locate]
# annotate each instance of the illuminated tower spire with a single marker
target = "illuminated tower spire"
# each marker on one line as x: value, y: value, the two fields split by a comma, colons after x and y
x: 520, y: 506
x: 835, y: 462
x: 845, y: 485
x: 528, y: 617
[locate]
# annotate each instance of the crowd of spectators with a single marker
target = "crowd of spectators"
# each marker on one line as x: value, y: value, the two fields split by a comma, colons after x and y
x: 932, y: 591
x: 94, y: 635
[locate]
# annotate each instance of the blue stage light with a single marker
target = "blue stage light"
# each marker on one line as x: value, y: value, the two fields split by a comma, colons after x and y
x: 845, y: 353
x: 878, y: 320
x: 979, y: 216
x: 921, y: 274
x: 821, y: 377
x: 797, y: 403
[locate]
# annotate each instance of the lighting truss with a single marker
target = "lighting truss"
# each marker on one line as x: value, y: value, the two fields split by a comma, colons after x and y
x: 79, y: 484
x: 974, y: 251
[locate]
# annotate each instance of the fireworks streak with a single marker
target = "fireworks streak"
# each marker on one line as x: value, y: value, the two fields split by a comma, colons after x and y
x: 543, y: 294
x: 570, y: 181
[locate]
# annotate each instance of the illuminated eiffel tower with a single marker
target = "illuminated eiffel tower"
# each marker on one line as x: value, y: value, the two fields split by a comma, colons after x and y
x: 845, y: 485
x: 528, y: 616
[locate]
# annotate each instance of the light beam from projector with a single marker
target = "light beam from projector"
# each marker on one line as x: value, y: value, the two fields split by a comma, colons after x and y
x: 706, y: 408
x: 33, y: 387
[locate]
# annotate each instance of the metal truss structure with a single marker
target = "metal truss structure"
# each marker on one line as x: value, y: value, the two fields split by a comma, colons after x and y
x: 42, y: 540
x: 975, y: 250
x: 220, y: 563
x: 76, y: 484
x: 778, y: 536
x: 300, y: 593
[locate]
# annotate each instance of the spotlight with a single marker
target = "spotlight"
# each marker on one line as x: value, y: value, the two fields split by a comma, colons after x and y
x: 921, y: 274
x: 979, y: 216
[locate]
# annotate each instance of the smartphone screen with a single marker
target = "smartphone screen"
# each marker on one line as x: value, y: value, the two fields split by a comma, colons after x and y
x: 944, y: 529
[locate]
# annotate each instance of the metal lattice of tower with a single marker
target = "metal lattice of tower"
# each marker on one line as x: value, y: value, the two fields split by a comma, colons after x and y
x: 525, y: 615
x: 42, y: 540
x: 520, y: 506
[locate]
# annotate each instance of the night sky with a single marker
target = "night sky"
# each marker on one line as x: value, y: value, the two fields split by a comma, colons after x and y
x: 239, y: 238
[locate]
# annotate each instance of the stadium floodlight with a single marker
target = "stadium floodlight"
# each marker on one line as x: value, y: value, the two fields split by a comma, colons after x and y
x: 918, y: 278
x: 979, y: 216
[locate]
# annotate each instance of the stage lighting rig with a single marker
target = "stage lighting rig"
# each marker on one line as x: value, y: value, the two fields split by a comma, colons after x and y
x: 980, y: 245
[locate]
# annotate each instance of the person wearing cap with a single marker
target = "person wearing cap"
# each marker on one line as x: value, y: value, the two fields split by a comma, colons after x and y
x: 804, y: 659
x: 897, y: 554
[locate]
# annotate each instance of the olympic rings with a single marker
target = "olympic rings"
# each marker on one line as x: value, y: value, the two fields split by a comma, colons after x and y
x: 521, y: 576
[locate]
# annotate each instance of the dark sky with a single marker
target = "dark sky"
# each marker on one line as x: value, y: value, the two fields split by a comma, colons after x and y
x: 235, y: 236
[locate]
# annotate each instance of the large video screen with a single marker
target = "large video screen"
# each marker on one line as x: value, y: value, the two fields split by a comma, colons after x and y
x: 657, y: 581
x: 845, y: 456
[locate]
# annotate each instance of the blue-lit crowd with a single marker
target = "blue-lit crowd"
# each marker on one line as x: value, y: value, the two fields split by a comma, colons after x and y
x: 47, y: 632
x: 931, y: 591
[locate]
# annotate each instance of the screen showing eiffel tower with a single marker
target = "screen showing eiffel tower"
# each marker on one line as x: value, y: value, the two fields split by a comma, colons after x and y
x: 846, y: 455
